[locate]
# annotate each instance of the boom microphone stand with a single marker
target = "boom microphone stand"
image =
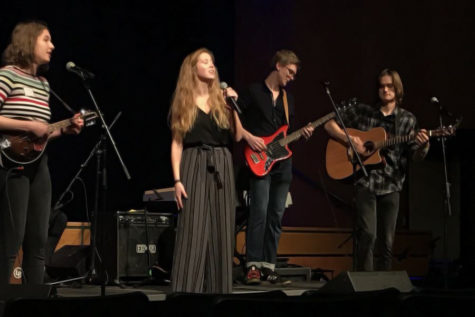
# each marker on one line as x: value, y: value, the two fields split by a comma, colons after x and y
x: 59, y: 203
x: 101, y: 172
x: 101, y: 169
x: 447, y: 203
x: 356, y: 162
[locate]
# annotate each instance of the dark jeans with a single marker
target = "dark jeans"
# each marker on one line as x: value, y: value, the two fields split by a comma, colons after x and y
x: 267, y: 195
x: 375, y: 229
x: 28, y: 204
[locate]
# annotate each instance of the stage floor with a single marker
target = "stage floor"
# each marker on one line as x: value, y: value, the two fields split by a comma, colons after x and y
x: 159, y: 292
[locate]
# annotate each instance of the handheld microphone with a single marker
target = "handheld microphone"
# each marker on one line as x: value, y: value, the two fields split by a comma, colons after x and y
x: 224, y: 85
x: 81, y: 72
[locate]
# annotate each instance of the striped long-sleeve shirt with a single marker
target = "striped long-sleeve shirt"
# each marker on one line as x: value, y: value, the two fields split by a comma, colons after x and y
x: 23, y: 95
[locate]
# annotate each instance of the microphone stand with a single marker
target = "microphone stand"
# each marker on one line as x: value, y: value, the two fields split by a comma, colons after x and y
x: 355, y: 163
x: 447, y: 204
x: 101, y: 171
x: 59, y: 203
x: 105, y: 135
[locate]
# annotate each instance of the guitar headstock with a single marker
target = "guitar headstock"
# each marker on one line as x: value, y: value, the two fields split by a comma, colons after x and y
x: 446, y: 130
x: 347, y: 104
x: 89, y: 117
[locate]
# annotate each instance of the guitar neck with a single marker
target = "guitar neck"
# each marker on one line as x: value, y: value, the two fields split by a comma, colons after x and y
x: 59, y: 125
x: 401, y: 139
x: 294, y: 136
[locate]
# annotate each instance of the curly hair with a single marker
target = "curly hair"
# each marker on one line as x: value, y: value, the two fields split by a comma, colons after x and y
x: 21, y: 50
x: 183, y: 110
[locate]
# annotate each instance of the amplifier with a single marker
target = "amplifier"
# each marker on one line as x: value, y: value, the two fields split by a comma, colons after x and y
x: 141, y: 244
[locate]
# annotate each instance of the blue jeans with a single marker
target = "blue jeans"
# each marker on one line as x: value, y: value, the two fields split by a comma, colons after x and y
x: 375, y: 229
x: 267, y: 195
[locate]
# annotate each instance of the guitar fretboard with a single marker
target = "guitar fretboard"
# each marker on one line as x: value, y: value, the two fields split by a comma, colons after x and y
x: 297, y: 134
x: 59, y: 125
x: 410, y: 137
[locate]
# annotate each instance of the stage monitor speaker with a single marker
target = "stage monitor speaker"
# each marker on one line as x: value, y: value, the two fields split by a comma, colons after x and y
x: 132, y: 256
x: 349, y: 282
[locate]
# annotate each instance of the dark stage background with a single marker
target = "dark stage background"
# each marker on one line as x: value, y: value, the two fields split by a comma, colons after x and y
x: 135, y: 49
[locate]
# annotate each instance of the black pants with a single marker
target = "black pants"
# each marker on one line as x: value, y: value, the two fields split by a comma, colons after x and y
x: 25, y: 202
x: 375, y: 229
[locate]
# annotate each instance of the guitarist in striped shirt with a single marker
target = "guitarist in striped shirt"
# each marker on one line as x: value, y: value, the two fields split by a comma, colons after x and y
x: 25, y: 191
x: 377, y: 197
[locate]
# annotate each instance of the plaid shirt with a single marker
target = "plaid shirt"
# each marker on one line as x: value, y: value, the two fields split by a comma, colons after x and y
x: 391, y: 177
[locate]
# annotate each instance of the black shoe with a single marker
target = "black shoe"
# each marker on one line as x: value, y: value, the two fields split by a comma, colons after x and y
x: 253, y: 276
x: 273, y: 277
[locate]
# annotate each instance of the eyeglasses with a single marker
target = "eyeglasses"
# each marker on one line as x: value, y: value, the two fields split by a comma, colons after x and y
x: 292, y: 72
x: 389, y: 86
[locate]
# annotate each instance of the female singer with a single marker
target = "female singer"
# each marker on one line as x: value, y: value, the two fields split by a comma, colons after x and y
x: 202, y: 129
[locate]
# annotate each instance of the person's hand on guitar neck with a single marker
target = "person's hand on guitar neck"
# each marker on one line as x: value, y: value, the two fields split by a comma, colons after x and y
x: 307, y: 131
x: 422, y: 138
x: 77, y: 123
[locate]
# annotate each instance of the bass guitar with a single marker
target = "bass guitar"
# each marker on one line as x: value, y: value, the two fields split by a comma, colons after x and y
x: 340, y: 158
x: 261, y: 163
x: 25, y: 148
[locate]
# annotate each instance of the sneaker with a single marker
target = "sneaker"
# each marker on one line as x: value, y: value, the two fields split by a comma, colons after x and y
x: 273, y: 277
x: 253, y: 276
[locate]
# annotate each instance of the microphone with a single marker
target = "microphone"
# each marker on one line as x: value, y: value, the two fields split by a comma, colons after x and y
x: 326, y: 86
x: 442, y: 109
x: 224, y: 85
x: 81, y: 72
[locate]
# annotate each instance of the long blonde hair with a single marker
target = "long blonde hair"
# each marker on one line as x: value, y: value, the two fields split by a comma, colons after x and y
x: 183, y: 110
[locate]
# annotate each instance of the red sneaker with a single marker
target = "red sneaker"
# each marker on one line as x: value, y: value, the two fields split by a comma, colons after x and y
x: 253, y: 276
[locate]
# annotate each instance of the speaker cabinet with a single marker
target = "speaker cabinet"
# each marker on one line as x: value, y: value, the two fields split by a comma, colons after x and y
x: 349, y: 282
x: 139, y: 243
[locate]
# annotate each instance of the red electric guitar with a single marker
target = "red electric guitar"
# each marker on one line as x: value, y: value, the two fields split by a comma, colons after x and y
x: 261, y: 163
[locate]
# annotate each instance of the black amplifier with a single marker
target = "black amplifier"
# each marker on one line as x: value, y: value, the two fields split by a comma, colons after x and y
x: 141, y: 244
x: 138, y: 218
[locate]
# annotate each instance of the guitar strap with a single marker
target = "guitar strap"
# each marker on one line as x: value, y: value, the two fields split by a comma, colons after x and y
x: 286, y: 104
x: 397, y: 120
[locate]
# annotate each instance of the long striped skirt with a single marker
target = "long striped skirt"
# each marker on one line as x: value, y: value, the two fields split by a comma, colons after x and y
x: 202, y: 260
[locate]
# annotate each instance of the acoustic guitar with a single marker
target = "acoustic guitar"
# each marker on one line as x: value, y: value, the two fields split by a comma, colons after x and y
x: 340, y: 157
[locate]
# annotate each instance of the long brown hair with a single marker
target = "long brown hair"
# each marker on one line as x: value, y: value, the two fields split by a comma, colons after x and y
x: 397, y: 82
x: 21, y: 50
x: 183, y: 109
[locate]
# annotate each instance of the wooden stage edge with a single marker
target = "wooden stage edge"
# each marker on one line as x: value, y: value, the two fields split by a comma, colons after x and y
x: 331, y: 249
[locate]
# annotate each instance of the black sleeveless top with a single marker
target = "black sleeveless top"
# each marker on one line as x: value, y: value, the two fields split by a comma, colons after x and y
x: 206, y: 131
